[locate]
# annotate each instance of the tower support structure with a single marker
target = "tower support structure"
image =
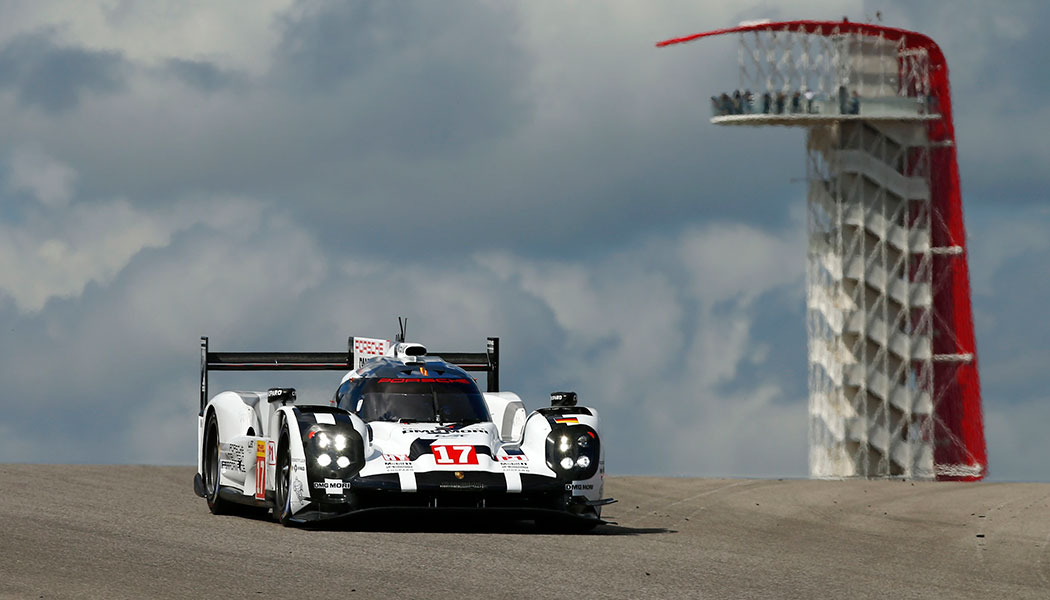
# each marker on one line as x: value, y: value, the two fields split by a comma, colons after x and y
x: 893, y: 383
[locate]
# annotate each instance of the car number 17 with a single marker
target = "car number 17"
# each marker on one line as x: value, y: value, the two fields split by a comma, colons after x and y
x: 455, y: 455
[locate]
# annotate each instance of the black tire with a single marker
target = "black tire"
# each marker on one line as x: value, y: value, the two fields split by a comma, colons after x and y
x: 216, y: 504
x: 282, y: 502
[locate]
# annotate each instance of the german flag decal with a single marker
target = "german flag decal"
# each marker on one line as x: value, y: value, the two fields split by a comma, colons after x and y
x: 567, y: 420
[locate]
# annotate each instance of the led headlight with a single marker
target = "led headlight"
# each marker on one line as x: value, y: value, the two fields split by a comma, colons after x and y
x: 573, y: 451
x: 334, y: 451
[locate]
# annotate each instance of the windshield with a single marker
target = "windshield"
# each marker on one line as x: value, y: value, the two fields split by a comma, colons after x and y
x: 428, y: 400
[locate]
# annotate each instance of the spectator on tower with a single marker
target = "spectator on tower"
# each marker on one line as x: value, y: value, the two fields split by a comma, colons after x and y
x: 766, y: 101
x: 796, y: 102
x: 809, y: 101
x: 843, y: 98
x: 781, y: 98
x: 854, y: 104
x: 738, y: 103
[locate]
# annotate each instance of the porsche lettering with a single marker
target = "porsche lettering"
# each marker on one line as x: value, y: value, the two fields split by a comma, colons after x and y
x: 422, y: 380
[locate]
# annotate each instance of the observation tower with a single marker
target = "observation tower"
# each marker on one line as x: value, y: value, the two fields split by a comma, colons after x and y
x: 893, y: 385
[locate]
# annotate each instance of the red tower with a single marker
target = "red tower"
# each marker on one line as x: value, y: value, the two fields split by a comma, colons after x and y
x: 894, y: 389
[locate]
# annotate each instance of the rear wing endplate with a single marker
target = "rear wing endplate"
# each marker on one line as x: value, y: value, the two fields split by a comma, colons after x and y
x: 487, y: 361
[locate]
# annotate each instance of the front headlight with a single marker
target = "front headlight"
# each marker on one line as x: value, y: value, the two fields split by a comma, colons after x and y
x: 573, y: 451
x: 336, y: 441
x: 333, y: 451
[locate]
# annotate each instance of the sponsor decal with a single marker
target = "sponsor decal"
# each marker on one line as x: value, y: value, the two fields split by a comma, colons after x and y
x: 229, y: 465
x: 260, y: 469
x: 422, y: 380
x: 566, y: 420
x: 271, y: 454
x: 297, y: 487
x: 454, y: 455
x: 445, y: 431
x: 231, y: 458
x: 334, y: 487
x: 461, y: 485
x: 514, y: 463
x: 396, y: 463
x: 573, y: 487
x: 298, y: 465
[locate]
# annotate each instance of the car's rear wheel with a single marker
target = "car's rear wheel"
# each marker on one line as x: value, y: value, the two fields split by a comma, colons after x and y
x: 212, y: 451
x: 282, y: 506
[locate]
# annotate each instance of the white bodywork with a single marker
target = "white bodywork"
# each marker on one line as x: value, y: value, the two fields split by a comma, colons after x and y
x: 249, y: 427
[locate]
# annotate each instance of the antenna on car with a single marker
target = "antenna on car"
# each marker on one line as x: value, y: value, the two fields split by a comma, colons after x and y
x: 402, y: 324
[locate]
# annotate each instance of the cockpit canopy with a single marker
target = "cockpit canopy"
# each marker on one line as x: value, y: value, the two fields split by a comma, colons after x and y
x: 452, y: 399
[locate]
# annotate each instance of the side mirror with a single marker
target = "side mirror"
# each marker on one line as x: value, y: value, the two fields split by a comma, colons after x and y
x: 282, y: 395
x: 563, y: 398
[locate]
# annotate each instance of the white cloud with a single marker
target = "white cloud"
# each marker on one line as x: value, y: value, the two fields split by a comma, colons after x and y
x: 739, y: 261
x: 659, y: 370
x: 57, y: 254
x: 236, y: 34
x: 56, y: 250
x: 47, y: 179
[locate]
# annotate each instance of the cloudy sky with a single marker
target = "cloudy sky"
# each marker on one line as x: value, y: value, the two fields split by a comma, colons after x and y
x: 281, y: 174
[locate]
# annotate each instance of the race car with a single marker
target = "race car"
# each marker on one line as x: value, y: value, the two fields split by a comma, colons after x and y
x: 405, y: 429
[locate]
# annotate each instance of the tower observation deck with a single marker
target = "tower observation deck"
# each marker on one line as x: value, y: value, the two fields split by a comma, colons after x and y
x: 893, y: 385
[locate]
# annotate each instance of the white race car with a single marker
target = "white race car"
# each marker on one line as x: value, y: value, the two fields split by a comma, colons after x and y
x: 404, y: 429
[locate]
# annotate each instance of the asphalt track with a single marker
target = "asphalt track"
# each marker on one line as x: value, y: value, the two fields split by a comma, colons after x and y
x: 139, y: 532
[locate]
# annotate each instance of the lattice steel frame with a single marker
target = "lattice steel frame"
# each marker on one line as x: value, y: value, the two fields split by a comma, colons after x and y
x: 880, y: 407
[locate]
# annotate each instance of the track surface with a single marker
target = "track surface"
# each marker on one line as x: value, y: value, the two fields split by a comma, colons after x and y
x: 138, y: 532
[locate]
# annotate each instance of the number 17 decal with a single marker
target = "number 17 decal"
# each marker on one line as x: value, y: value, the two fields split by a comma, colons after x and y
x: 455, y: 455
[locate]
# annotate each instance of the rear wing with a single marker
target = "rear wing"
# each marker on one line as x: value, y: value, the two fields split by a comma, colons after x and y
x: 358, y: 350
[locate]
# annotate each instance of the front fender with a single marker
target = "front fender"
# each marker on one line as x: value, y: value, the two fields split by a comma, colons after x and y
x: 541, y: 422
x: 312, y: 482
x: 298, y: 484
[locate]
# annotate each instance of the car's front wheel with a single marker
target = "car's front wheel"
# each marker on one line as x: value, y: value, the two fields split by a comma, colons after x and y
x: 282, y: 506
